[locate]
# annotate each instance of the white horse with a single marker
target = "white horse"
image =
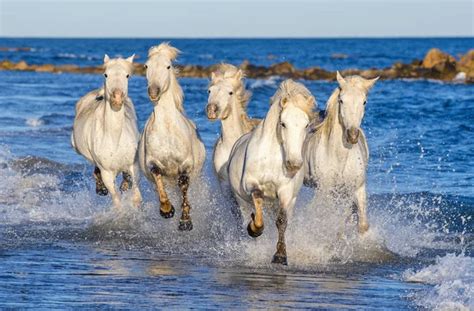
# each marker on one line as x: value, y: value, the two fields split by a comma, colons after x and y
x: 228, y: 101
x: 336, y: 153
x: 170, y: 147
x: 266, y: 163
x: 105, y: 131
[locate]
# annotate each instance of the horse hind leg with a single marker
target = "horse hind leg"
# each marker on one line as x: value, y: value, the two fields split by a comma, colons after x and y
x: 185, y: 222
x: 127, y: 182
x: 100, y: 188
x: 166, y: 208
x: 255, y: 226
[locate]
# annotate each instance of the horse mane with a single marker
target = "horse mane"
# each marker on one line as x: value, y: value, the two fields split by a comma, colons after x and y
x: 166, y: 49
x: 290, y: 89
x: 229, y: 73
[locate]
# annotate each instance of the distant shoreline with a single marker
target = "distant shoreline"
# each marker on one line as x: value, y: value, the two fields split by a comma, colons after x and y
x: 436, y: 65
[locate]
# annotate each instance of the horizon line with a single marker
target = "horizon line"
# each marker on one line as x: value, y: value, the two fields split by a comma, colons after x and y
x: 242, y: 38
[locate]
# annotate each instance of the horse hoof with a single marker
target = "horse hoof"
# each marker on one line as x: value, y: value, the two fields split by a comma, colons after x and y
x: 102, y: 191
x: 168, y: 214
x: 280, y: 259
x: 185, y: 225
x: 254, y: 234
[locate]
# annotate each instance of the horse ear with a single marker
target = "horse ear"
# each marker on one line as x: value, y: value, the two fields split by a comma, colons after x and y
x: 106, y: 58
x: 284, y: 102
x: 213, y: 76
x: 369, y: 83
x: 239, y: 74
x: 340, y: 79
x: 130, y: 59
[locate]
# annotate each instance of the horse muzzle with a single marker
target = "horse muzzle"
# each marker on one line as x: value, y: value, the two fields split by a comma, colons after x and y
x: 117, y: 99
x: 353, y: 135
x: 154, y: 93
x: 211, y: 110
x: 292, y: 167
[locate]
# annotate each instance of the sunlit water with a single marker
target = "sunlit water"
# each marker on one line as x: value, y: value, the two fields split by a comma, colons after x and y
x: 61, y: 245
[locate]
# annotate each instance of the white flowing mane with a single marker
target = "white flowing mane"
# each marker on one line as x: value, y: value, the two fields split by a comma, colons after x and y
x: 289, y: 89
x: 170, y: 52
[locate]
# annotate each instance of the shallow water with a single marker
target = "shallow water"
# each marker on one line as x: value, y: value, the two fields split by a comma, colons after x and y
x: 61, y: 244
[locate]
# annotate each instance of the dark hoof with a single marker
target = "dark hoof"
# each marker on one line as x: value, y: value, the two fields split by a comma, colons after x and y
x: 169, y: 214
x: 102, y: 191
x: 185, y: 225
x: 280, y: 259
x: 254, y: 234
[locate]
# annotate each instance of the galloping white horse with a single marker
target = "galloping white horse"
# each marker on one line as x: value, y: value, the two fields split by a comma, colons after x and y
x: 169, y: 147
x: 336, y: 153
x: 227, y: 101
x: 105, y: 131
x: 266, y: 163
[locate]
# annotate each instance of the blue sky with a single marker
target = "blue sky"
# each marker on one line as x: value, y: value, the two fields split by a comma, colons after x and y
x: 230, y: 18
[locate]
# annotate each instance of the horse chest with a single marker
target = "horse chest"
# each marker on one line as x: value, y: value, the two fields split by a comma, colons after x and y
x: 340, y: 168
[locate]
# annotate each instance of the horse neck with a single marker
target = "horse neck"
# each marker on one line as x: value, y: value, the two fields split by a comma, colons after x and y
x: 171, y: 101
x: 332, y: 131
x: 112, y: 120
x: 270, y: 124
x: 233, y: 126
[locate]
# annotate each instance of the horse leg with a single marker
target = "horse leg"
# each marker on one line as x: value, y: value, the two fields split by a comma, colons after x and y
x: 255, y: 226
x: 100, y: 188
x: 134, y: 175
x: 166, y: 208
x: 109, y: 182
x: 361, y: 202
x: 127, y: 182
x: 185, y: 223
x: 281, y: 223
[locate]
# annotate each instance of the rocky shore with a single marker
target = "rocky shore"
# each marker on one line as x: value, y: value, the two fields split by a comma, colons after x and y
x: 436, y: 65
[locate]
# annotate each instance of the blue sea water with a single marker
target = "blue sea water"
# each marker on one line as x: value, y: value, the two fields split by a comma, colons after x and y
x: 60, y: 245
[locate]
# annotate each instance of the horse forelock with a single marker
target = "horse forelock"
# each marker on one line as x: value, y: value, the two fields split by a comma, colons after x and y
x: 164, y: 49
x: 298, y: 95
x: 119, y: 62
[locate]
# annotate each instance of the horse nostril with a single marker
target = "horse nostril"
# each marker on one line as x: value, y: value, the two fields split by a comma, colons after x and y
x: 353, y: 135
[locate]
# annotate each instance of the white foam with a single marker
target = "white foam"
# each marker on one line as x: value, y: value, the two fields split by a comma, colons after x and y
x: 453, y: 280
x: 34, y: 122
x: 259, y: 83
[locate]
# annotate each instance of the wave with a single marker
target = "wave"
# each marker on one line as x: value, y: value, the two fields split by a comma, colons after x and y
x: 452, y: 283
x: 271, y: 82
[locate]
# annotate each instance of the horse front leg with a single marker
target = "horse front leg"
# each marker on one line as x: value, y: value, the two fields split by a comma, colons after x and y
x: 166, y: 208
x: 361, y: 202
x: 281, y: 223
x: 134, y: 179
x: 255, y: 226
x: 109, y: 181
x: 100, y: 188
x: 185, y: 222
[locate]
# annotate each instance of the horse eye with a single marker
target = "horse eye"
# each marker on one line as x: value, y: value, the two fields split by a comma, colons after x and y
x: 128, y: 76
x: 146, y: 66
x: 283, y: 125
x: 168, y: 67
x: 209, y: 91
x: 105, y: 75
x: 307, y: 125
x: 340, y: 101
x: 365, y: 102
x: 230, y: 93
